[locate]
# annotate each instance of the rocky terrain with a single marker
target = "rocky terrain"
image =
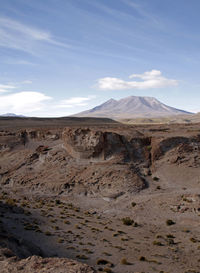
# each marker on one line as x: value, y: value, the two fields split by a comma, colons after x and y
x: 82, y: 194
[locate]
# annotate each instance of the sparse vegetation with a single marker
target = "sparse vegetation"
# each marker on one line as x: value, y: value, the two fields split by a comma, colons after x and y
x: 170, y: 222
x: 142, y: 259
x: 102, y: 262
x: 124, y: 262
x: 60, y: 240
x: 82, y: 257
x: 133, y: 204
x: 48, y: 233
x: 157, y: 243
x: 127, y: 221
x: 155, y: 178
x: 66, y: 222
x: 149, y: 147
x: 193, y: 240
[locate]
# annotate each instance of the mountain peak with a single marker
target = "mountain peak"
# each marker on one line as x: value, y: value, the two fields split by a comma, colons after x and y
x: 110, y: 100
x: 132, y: 107
x: 11, y: 115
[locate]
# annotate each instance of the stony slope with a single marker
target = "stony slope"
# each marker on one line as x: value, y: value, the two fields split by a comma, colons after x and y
x: 20, y: 255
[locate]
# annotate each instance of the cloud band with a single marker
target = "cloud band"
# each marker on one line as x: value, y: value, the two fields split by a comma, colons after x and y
x: 150, y: 79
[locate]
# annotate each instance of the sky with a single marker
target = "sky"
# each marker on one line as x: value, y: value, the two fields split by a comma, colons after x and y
x: 60, y: 57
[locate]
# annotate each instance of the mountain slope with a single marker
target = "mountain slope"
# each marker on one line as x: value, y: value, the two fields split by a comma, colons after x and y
x: 12, y: 115
x: 131, y: 107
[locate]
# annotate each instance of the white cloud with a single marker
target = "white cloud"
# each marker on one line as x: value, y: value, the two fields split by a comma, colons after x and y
x: 146, y: 15
x: 5, y: 88
x: 16, y: 35
x: 33, y: 33
x: 147, y: 75
x: 75, y: 101
x: 10, y: 86
x: 150, y: 79
x: 31, y: 103
x: 23, y: 102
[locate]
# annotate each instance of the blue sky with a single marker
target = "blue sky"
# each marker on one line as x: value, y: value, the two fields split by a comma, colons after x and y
x: 59, y: 57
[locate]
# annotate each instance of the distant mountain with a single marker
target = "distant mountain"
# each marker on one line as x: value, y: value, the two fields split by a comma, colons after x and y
x: 132, y: 107
x: 12, y: 115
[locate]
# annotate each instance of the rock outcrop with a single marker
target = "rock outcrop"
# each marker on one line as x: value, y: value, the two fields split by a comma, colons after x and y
x: 103, y: 145
x: 177, y: 149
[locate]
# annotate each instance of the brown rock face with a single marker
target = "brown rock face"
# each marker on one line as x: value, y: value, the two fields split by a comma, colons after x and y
x: 113, y: 156
x: 83, y: 160
x: 91, y: 144
x: 176, y: 149
x: 163, y: 145
x: 84, y: 143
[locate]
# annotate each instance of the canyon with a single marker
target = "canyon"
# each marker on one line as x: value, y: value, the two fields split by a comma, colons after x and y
x: 97, y: 195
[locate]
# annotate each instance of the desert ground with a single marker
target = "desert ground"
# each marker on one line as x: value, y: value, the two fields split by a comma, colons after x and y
x: 96, y: 195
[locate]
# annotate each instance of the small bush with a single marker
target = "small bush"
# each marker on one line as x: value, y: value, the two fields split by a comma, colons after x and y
x: 158, y: 236
x: 170, y: 241
x: 48, y: 233
x: 133, y: 204
x: 67, y: 222
x: 56, y: 228
x: 157, y: 243
x: 102, y: 262
x: 60, y: 241
x: 193, y: 240
x: 149, y: 147
x: 82, y: 257
x: 142, y: 259
x: 155, y: 178
x: 127, y: 221
x: 186, y: 230
x: 121, y: 232
x: 124, y: 239
x: 170, y: 222
x: 170, y: 236
x: 124, y: 261
x: 88, y: 251
x: 90, y: 244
